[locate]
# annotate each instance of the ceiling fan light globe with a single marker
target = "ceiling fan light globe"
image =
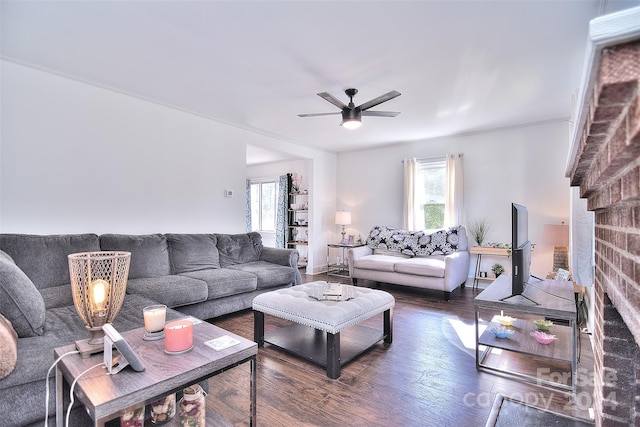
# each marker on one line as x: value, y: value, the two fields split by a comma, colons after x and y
x: 352, y: 123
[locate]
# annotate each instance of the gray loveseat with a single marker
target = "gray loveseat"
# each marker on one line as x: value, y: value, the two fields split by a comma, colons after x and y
x: 202, y: 275
x: 437, y: 260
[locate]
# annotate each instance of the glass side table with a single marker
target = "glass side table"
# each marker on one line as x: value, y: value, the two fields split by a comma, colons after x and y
x: 340, y: 266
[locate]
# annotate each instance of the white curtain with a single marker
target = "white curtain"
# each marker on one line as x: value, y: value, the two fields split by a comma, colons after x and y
x: 454, y: 192
x: 411, y: 215
x: 582, y: 240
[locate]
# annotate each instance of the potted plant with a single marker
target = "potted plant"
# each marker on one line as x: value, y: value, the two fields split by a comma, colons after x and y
x: 479, y: 230
x: 497, y: 269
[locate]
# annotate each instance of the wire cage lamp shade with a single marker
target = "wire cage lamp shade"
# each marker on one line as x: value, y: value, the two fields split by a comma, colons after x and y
x: 98, y: 285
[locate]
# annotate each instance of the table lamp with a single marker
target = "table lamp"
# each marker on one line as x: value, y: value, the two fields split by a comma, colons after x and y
x: 98, y: 285
x: 558, y: 237
x: 343, y: 218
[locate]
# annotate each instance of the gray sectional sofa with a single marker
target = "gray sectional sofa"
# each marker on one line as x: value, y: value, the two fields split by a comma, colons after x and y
x: 202, y: 275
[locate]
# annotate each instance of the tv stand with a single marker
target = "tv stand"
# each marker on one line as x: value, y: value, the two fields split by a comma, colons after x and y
x: 520, y: 295
x: 553, y: 365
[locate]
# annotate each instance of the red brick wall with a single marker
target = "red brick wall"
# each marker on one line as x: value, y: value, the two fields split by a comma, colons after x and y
x: 607, y: 169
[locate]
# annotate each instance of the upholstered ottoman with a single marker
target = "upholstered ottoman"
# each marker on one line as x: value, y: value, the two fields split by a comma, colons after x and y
x: 311, y: 317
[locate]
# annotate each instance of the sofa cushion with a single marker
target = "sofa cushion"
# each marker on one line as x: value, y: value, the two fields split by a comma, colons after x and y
x: 57, y: 296
x: 268, y: 274
x: 44, y: 258
x: 239, y: 248
x: 376, y: 262
x: 390, y: 253
x: 222, y: 282
x: 20, y: 301
x: 8, y: 347
x: 149, y: 253
x: 432, y: 266
x: 172, y: 291
x: 192, y: 252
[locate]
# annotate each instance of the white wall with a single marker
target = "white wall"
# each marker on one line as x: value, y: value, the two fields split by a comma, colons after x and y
x: 523, y: 165
x: 77, y: 158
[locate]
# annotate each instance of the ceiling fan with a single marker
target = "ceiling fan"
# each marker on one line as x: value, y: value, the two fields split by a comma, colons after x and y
x: 352, y: 115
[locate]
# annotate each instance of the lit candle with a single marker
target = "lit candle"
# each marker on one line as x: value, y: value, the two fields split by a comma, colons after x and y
x: 178, y: 335
x: 154, y: 317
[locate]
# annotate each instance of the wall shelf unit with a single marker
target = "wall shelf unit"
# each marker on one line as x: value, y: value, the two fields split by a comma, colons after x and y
x: 298, y: 220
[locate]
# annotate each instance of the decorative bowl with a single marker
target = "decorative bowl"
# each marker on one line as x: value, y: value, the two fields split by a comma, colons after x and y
x: 506, y: 320
x: 501, y: 331
x: 543, y: 338
x: 543, y: 324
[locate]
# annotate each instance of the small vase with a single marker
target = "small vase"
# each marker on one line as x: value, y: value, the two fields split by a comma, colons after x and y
x: 164, y: 409
x: 192, y: 407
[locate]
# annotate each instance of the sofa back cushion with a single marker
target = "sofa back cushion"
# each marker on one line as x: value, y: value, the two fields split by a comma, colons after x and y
x: 149, y: 253
x: 418, y: 243
x: 20, y: 301
x: 192, y: 252
x: 43, y: 258
x: 239, y: 248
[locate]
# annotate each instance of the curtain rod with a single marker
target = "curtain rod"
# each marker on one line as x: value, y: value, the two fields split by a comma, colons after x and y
x: 435, y: 158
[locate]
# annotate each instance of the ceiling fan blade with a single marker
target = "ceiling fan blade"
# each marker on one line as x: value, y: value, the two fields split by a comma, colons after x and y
x: 379, y: 100
x: 319, y: 114
x: 332, y: 99
x: 380, y: 113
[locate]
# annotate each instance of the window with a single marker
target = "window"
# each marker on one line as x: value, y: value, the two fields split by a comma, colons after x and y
x: 431, y: 191
x: 264, y: 199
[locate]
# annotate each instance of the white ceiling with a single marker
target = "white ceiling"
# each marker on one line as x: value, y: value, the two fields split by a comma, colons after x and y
x: 461, y: 66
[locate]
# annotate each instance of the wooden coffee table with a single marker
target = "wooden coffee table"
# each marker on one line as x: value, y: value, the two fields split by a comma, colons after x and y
x: 107, y: 396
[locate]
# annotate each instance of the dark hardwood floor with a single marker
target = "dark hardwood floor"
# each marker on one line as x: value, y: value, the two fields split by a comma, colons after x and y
x: 426, y: 377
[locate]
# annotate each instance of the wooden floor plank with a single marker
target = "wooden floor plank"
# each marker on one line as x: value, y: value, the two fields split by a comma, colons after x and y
x: 426, y: 377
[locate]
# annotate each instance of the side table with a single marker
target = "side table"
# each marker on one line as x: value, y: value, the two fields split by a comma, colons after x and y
x: 556, y: 301
x: 107, y: 397
x: 341, y: 267
x: 479, y: 251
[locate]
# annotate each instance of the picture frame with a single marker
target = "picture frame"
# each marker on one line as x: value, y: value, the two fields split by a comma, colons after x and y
x: 562, y: 274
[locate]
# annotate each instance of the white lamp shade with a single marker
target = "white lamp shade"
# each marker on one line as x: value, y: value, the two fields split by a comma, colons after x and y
x: 343, y: 218
x: 556, y: 235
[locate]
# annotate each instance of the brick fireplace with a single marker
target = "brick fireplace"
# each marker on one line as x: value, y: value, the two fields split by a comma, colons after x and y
x: 606, y: 167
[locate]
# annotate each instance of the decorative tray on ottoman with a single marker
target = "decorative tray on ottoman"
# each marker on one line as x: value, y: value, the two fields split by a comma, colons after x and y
x: 333, y: 292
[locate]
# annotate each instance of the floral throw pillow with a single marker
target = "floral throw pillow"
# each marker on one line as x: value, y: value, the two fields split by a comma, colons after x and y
x: 443, y: 241
x: 414, y: 243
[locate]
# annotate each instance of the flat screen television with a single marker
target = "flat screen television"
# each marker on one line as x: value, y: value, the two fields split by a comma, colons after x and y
x: 520, y: 248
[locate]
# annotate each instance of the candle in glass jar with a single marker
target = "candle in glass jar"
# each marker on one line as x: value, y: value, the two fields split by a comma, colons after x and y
x: 154, y: 317
x: 178, y: 336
